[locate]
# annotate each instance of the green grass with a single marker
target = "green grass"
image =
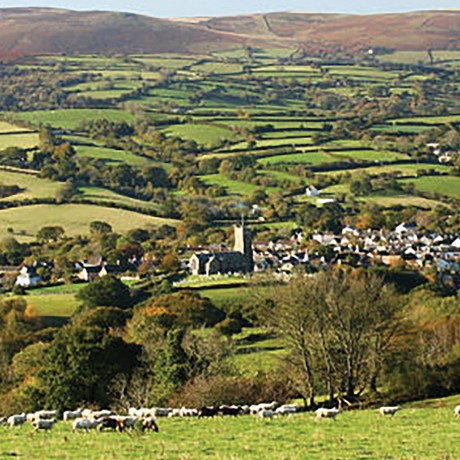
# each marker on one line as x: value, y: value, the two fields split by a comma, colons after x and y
x: 296, y: 158
x: 53, y: 305
x: 206, y: 135
x: 75, y: 218
x: 24, y: 140
x: 444, y: 185
x: 415, y: 433
x: 111, y: 155
x: 6, y: 127
x: 33, y: 186
x: 72, y: 118
x: 103, y: 195
x: 408, y: 169
x: 233, y: 187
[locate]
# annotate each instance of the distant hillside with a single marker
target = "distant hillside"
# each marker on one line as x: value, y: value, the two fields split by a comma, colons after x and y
x: 43, y: 30
x: 407, y: 31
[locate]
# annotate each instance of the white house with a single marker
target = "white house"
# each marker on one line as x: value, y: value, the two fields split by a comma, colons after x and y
x: 27, y: 277
x: 312, y: 191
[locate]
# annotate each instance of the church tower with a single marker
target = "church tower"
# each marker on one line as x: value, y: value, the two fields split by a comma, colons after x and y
x: 243, y: 244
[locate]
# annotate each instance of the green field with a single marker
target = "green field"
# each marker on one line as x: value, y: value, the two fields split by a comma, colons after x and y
x: 6, y: 127
x: 71, y: 118
x: 32, y: 186
x: 75, y: 218
x: 111, y: 155
x: 444, y: 185
x: 420, y: 433
x: 206, y: 135
x: 53, y: 305
x: 25, y: 140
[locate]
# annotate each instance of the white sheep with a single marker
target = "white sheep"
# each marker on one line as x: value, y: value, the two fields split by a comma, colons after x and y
x: 71, y: 415
x: 266, y: 414
x: 46, y: 414
x: 287, y: 409
x: 389, y: 410
x: 84, y: 424
x: 17, y: 419
x: 44, y: 424
x: 327, y: 413
x: 457, y: 411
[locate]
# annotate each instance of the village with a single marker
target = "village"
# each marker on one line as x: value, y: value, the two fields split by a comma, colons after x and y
x: 405, y: 247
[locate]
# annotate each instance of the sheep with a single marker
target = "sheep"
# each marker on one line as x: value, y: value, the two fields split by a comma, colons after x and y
x: 101, y: 413
x: 46, y: 414
x: 266, y: 414
x: 457, y: 411
x: 287, y: 409
x: 32, y: 417
x: 327, y: 413
x: 389, y: 410
x: 161, y: 412
x: 17, y: 420
x: 184, y: 412
x: 256, y: 408
x: 174, y: 413
x: 126, y: 421
x: 150, y: 423
x: 109, y: 422
x: 46, y: 425
x: 71, y: 415
x: 84, y: 424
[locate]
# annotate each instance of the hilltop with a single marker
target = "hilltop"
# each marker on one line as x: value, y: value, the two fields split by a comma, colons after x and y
x: 56, y: 31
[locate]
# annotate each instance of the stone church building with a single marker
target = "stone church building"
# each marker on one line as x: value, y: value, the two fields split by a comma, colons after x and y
x: 240, y: 260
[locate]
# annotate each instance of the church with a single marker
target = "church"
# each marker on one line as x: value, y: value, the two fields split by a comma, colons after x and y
x: 240, y: 260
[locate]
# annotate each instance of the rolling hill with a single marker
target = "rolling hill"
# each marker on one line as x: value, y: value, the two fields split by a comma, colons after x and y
x: 57, y: 31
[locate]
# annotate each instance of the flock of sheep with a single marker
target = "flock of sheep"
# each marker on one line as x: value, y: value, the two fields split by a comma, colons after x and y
x: 146, y: 419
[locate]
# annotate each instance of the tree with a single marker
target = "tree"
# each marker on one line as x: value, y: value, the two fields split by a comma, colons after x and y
x: 340, y: 327
x: 99, y: 228
x: 108, y: 291
x: 81, y: 364
x: 49, y: 234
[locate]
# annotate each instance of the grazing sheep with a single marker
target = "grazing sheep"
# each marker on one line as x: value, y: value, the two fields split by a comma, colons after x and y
x: 71, y: 415
x: 266, y: 414
x: 17, y: 420
x: 256, y: 408
x: 150, y: 423
x: 210, y: 411
x: 126, y: 421
x: 32, y: 417
x: 327, y: 413
x: 457, y: 411
x: 287, y: 409
x: 230, y: 410
x: 110, y: 423
x: 46, y: 414
x: 44, y: 425
x: 389, y: 410
x: 84, y: 424
x: 161, y: 412
x: 101, y: 413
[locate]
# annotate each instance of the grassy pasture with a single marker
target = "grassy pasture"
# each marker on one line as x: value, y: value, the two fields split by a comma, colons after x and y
x: 75, y: 218
x: 33, y: 186
x: 6, y: 127
x: 298, y: 158
x: 420, y: 433
x: 436, y: 120
x: 444, y: 185
x: 72, y: 118
x: 58, y: 305
x: 25, y: 140
x: 206, y: 135
x: 111, y: 155
x: 234, y: 187
x: 103, y: 195
x: 369, y: 155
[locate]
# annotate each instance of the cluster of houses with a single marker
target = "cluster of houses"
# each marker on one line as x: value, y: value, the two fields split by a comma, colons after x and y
x: 85, y: 270
x: 355, y: 247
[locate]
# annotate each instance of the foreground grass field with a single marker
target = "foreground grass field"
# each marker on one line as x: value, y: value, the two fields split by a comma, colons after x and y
x: 414, y: 433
